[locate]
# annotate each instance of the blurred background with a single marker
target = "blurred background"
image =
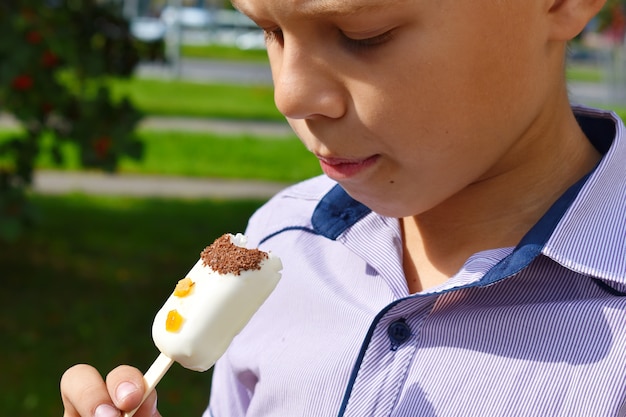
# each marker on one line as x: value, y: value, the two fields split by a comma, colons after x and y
x: 132, y: 134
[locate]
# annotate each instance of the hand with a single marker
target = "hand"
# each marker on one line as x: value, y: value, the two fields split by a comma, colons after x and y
x: 86, y: 394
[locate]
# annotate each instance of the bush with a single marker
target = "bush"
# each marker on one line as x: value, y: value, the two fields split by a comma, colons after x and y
x: 56, y: 57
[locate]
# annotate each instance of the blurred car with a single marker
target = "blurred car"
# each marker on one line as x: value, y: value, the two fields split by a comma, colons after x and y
x: 149, y: 34
x: 251, y: 40
x: 148, y: 29
x: 187, y: 17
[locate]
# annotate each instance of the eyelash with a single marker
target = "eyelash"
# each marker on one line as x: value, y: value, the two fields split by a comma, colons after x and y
x: 367, y: 43
x: 276, y: 35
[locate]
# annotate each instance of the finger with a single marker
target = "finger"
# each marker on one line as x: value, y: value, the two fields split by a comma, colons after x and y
x: 126, y: 387
x: 84, y: 393
x: 149, y: 407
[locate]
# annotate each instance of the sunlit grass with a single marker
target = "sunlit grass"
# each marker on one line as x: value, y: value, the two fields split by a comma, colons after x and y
x: 221, y: 52
x: 199, y: 154
x: 194, y: 99
x: 210, y: 155
x: 585, y: 73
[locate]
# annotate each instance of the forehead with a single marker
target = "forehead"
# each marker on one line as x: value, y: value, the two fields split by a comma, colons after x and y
x: 313, y: 7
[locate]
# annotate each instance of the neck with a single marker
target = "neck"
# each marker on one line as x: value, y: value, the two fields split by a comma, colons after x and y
x: 498, y: 209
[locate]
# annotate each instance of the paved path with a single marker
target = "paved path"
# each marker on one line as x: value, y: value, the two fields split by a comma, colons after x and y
x: 208, y: 70
x: 275, y: 130
x: 56, y: 182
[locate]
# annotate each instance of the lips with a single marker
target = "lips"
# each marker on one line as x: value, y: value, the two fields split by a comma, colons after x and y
x: 342, y: 168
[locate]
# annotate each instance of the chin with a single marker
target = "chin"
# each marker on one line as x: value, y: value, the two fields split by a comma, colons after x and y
x: 384, y: 204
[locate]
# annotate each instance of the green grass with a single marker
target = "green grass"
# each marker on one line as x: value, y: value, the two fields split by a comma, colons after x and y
x: 209, y: 155
x: 586, y: 74
x: 85, y: 285
x: 185, y: 98
x: 194, y: 154
x: 223, y: 53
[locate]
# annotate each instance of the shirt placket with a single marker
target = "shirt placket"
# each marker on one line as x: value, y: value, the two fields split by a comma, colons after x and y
x: 387, y: 358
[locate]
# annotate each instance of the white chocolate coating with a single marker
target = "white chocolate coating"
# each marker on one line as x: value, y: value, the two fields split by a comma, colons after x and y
x: 218, y: 308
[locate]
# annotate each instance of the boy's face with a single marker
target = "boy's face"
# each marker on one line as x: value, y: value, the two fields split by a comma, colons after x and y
x: 407, y: 102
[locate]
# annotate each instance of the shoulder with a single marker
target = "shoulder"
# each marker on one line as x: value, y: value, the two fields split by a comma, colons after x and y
x: 292, y: 207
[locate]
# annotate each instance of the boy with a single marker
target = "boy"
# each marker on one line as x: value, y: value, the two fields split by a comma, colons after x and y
x: 465, y: 253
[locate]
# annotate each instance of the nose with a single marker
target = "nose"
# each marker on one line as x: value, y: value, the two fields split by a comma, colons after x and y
x: 305, y: 84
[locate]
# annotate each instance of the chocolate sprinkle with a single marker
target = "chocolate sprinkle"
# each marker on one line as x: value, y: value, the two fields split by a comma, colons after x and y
x: 227, y: 258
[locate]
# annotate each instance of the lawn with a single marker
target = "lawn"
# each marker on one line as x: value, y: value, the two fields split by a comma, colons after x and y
x: 223, y: 53
x: 195, y: 99
x: 236, y: 157
x: 585, y: 73
x: 85, y: 285
x: 199, y: 154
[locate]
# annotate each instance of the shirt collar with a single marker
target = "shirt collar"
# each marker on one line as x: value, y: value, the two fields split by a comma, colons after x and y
x: 591, y: 236
x: 337, y: 212
x: 585, y: 230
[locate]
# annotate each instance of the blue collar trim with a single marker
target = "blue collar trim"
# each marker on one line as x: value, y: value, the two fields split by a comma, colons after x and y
x: 533, y: 242
x: 600, y: 131
x: 336, y: 212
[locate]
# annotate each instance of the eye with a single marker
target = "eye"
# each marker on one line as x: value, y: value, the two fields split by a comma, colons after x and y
x: 358, y: 44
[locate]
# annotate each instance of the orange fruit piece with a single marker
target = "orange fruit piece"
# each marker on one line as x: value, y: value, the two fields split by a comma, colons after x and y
x: 174, y: 321
x: 184, y: 287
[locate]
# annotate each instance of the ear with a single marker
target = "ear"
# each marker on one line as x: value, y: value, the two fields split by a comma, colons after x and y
x: 569, y: 17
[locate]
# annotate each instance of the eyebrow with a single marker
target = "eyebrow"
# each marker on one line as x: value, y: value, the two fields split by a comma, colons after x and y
x: 329, y: 7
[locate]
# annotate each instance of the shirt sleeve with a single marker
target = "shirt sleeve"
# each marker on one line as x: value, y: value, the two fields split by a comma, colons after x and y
x: 229, y: 397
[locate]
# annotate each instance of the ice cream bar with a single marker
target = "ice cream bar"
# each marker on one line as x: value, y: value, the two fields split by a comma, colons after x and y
x: 211, y: 305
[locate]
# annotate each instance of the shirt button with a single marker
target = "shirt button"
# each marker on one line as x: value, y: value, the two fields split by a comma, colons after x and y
x: 398, y: 332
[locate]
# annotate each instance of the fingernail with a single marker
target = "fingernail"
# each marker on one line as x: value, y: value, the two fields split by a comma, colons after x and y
x: 106, y: 410
x: 155, y: 411
x: 124, y: 390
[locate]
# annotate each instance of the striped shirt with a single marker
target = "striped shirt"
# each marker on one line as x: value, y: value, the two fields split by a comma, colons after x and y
x: 535, y: 330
